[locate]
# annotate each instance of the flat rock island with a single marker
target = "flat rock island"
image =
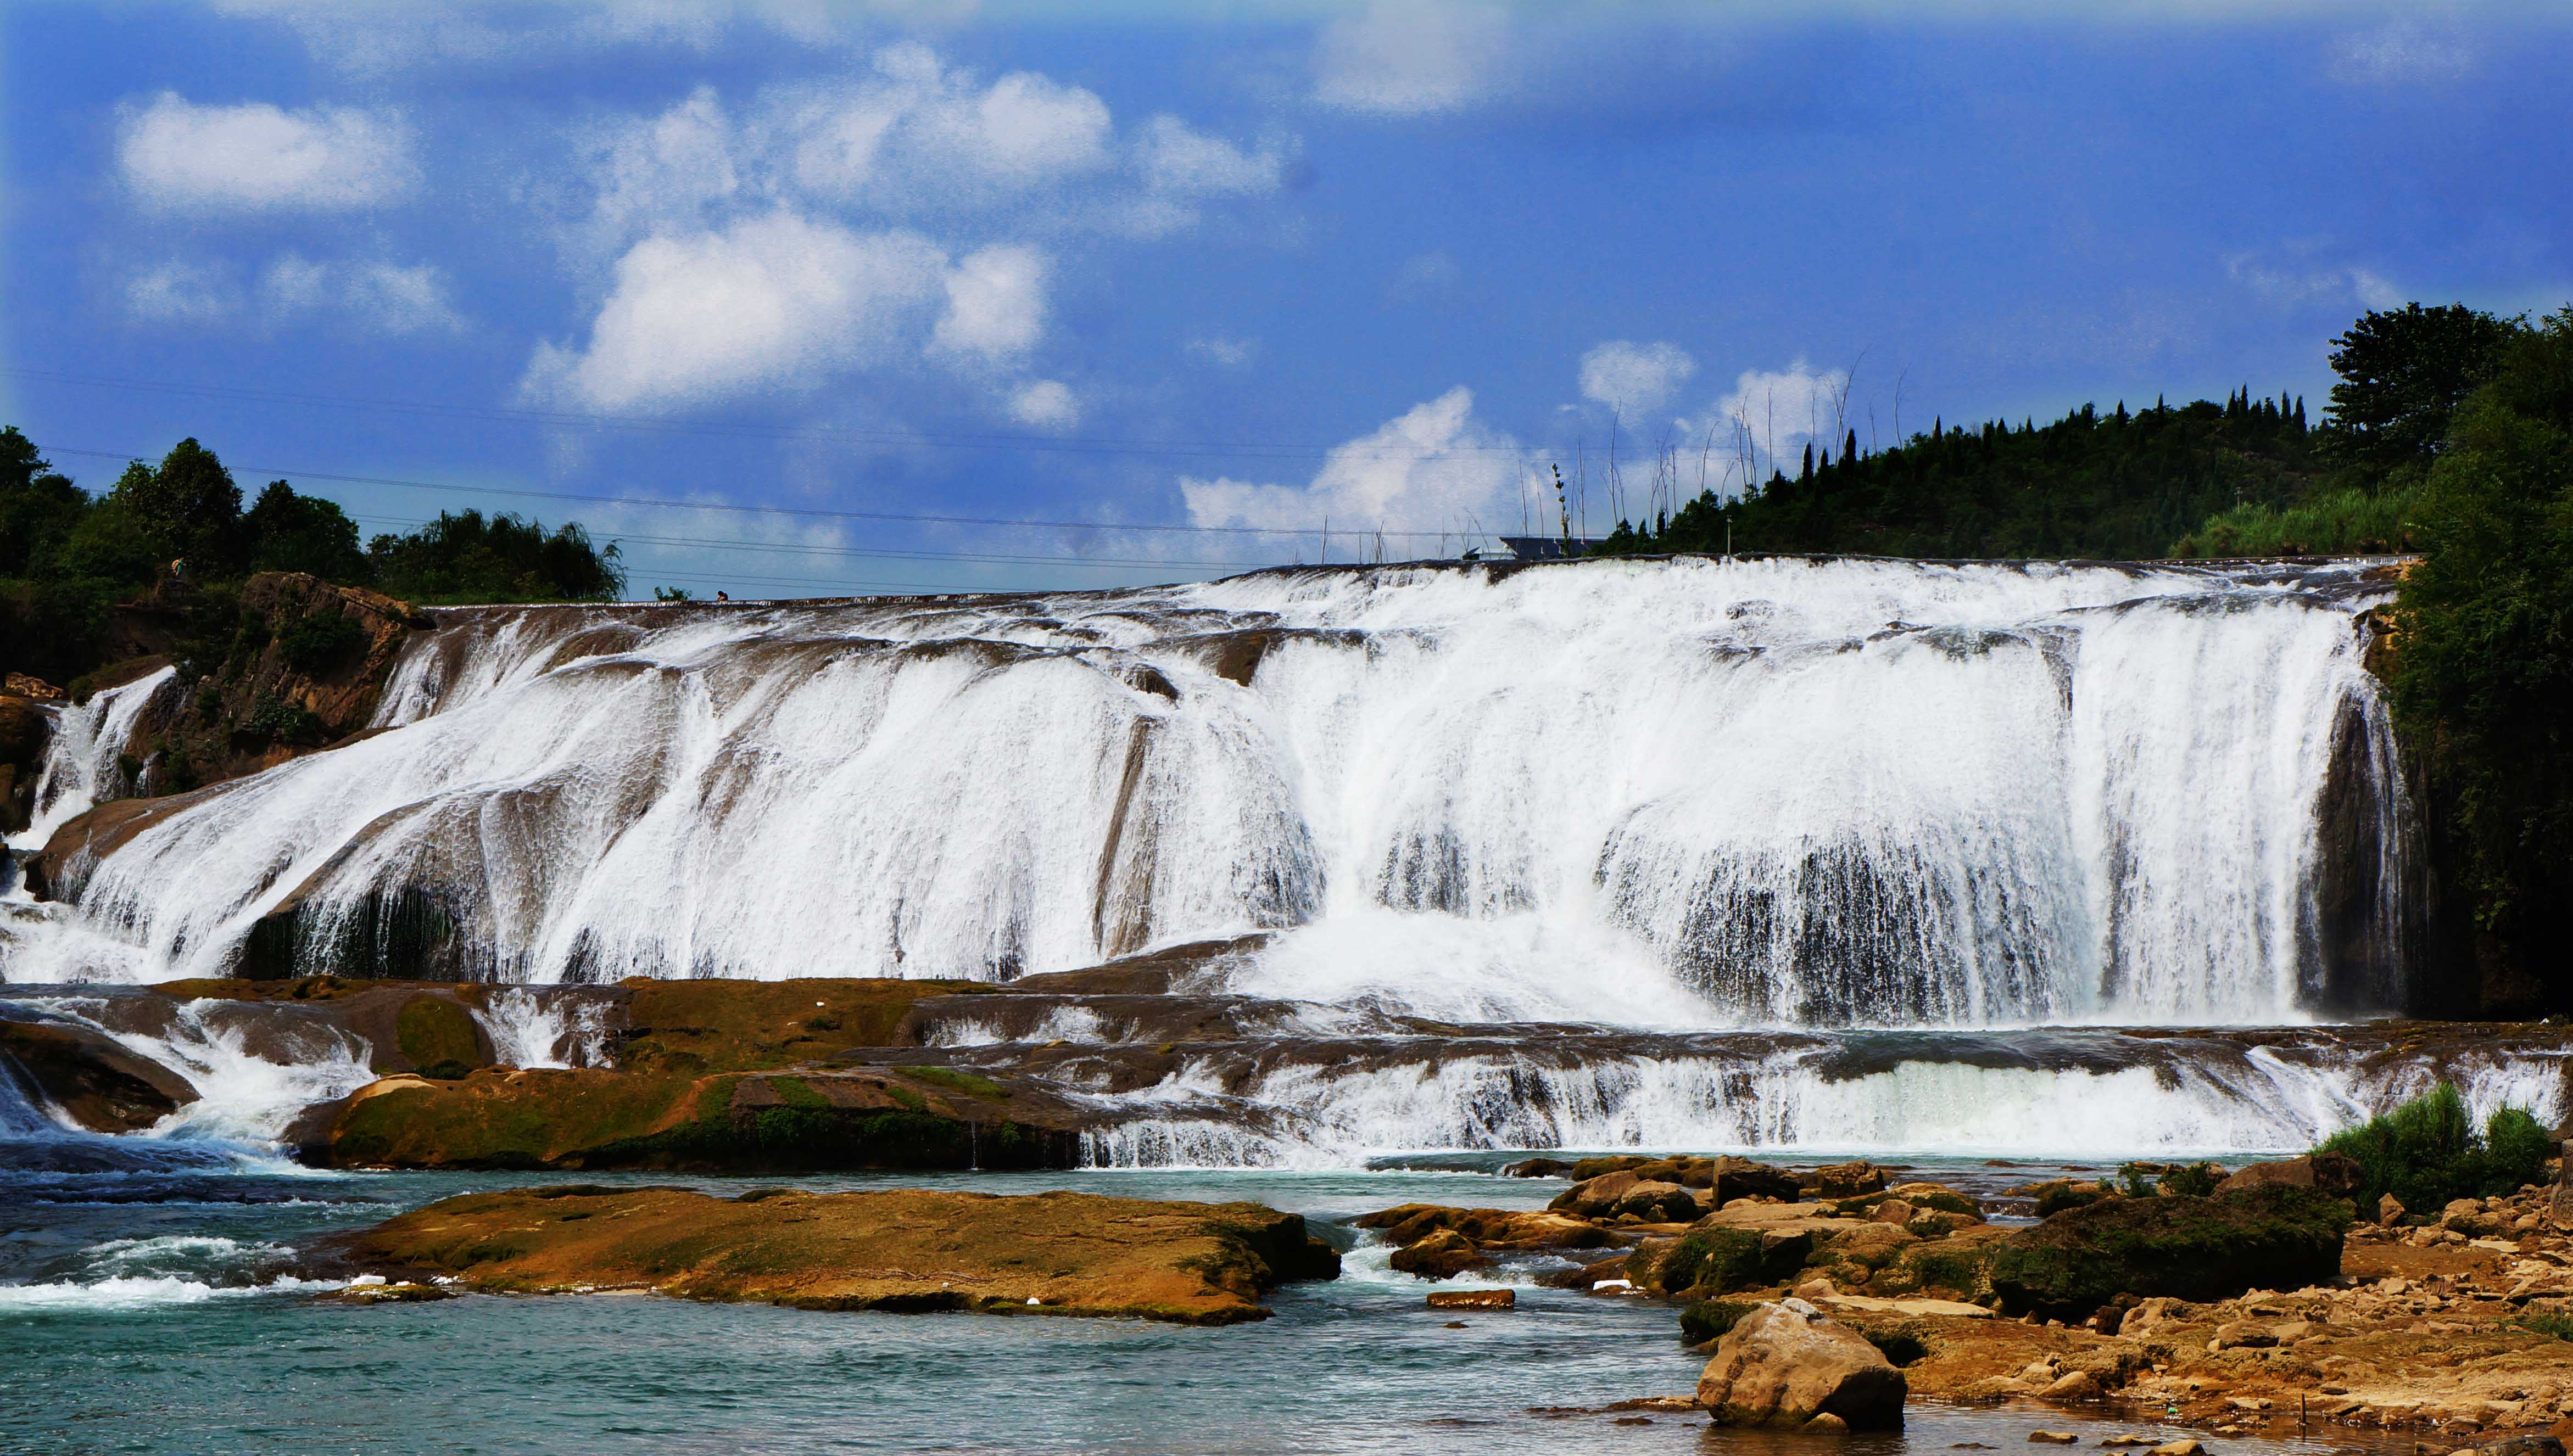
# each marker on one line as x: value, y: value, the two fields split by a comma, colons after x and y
x: 907, y: 1250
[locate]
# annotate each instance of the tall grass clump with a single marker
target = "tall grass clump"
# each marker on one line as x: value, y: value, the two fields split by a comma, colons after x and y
x: 2427, y: 1151
x: 2325, y: 523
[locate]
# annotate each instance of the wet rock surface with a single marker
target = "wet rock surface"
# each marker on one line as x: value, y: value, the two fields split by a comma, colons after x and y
x: 1786, y: 1364
x: 913, y: 1251
x: 89, y: 1077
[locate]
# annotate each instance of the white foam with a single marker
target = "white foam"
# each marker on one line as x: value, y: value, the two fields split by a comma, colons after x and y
x: 1653, y: 793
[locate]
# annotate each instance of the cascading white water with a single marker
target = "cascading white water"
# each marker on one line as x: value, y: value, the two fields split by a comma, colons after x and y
x: 1791, y: 1101
x: 1689, y: 792
x: 81, y: 765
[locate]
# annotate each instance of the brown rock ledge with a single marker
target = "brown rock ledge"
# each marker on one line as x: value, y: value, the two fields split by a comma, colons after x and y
x: 909, y: 1251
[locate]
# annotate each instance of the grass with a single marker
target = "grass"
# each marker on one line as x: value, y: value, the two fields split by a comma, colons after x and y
x: 2333, y: 523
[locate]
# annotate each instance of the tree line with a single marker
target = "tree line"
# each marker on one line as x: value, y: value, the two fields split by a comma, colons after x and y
x: 68, y: 556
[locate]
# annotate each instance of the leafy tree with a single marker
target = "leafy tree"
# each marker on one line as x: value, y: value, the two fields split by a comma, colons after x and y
x: 466, y: 556
x: 292, y: 532
x: 38, y: 507
x: 187, y: 509
x: 2404, y: 373
x: 2484, y: 651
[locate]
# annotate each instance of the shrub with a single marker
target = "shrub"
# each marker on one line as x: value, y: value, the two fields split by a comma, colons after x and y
x: 2426, y: 1152
x: 321, y: 642
x: 2557, y: 1323
x: 2194, y: 1182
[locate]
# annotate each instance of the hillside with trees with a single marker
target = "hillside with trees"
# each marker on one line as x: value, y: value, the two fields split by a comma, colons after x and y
x: 176, y: 533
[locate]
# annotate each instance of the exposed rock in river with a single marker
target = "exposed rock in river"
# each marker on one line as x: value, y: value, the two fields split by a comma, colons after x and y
x: 913, y: 1251
x: 1785, y: 1365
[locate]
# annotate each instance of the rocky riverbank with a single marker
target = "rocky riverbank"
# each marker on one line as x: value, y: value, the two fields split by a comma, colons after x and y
x: 913, y: 1251
x: 2264, y: 1307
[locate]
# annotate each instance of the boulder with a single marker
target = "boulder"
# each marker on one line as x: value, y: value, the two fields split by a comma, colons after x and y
x: 1627, y: 1193
x: 90, y: 1078
x: 2330, y: 1171
x: 2200, y: 1249
x: 2559, y: 1200
x: 1518, y: 1228
x: 1785, y: 1363
x: 1442, y: 1255
x: 1474, y: 1299
x: 1844, y: 1181
x: 2389, y: 1210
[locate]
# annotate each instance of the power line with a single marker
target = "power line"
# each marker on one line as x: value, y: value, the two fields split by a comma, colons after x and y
x: 1079, y: 444
x: 886, y: 515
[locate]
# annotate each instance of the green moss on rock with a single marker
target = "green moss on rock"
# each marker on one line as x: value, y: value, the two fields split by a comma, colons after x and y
x: 2198, y: 1249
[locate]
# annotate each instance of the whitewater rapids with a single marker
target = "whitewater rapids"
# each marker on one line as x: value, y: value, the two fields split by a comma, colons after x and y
x: 1679, y: 793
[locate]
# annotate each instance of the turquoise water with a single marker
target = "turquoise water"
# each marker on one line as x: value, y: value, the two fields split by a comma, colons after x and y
x: 157, y: 1308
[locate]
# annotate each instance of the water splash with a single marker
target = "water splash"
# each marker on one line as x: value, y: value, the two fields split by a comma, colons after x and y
x: 1689, y: 792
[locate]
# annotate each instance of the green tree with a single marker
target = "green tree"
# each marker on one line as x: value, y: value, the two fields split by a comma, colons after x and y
x: 189, y: 507
x: 38, y: 507
x: 292, y: 532
x: 2404, y: 373
x: 2484, y: 675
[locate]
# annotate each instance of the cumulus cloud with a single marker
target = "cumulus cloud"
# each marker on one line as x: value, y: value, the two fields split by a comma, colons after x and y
x: 660, y: 173
x: 1046, y: 404
x: 917, y: 185
x: 1433, y: 467
x: 1635, y: 378
x: 995, y: 303
x: 2400, y: 54
x: 1410, y: 58
x: 2298, y: 279
x: 1782, y: 409
x: 771, y: 302
x: 387, y: 296
x: 255, y: 157
x: 182, y: 293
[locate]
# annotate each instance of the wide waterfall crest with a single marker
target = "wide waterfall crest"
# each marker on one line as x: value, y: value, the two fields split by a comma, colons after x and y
x: 1761, y: 790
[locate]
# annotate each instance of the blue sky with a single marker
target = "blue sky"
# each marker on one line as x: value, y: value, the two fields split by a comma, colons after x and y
x: 1255, y: 266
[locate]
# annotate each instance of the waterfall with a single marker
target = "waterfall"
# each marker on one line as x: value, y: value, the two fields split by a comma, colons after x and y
x: 1678, y: 793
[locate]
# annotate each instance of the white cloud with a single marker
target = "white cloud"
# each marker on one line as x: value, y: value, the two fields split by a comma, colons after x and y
x: 1431, y: 469
x: 1411, y: 58
x: 719, y: 235
x: 661, y: 174
x: 1231, y: 354
x: 2402, y: 53
x: 182, y: 293
x: 2298, y: 279
x: 918, y: 134
x: 773, y: 301
x: 386, y: 296
x: 1047, y: 404
x: 1176, y: 158
x: 1635, y: 378
x: 995, y: 303
x: 1781, y: 409
x: 177, y: 156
